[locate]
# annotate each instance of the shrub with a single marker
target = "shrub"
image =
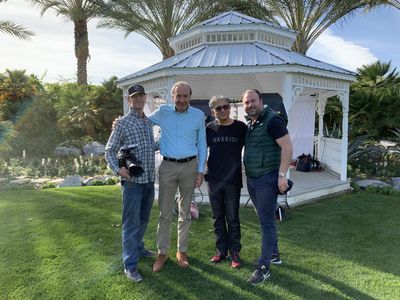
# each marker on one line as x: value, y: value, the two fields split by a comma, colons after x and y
x: 112, y: 181
x: 386, y: 190
x: 98, y: 182
x: 49, y: 185
x: 55, y: 166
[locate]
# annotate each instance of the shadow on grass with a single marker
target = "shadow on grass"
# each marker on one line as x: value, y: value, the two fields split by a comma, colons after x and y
x: 203, y: 281
x: 360, y: 230
x: 342, y: 288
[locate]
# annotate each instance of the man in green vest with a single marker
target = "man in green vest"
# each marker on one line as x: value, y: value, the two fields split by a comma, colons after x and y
x: 267, y: 156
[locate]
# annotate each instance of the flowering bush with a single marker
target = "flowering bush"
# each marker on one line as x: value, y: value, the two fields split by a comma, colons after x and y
x: 55, y: 166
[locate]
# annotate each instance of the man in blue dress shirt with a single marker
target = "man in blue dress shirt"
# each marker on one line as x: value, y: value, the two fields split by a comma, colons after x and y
x: 184, y: 148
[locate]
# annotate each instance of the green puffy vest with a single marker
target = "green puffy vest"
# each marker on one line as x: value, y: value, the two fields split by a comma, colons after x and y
x: 261, y: 153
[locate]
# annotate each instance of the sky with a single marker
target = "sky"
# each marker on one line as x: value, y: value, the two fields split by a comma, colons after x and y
x: 359, y: 40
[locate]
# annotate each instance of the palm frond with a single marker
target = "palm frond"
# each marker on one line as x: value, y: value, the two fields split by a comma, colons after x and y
x: 16, y: 30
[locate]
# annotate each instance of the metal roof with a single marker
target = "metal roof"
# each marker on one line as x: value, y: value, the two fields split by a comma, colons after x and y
x: 235, y: 18
x: 237, y: 55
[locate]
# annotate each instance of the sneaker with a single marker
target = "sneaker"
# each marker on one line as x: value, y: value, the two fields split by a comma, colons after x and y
x: 275, y: 259
x: 259, y: 275
x: 217, y: 258
x: 149, y: 253
x: 235, y: 261
x: 133, y: 275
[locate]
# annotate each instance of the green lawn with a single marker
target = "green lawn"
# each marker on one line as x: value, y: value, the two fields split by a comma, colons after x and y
x: 65, y: 243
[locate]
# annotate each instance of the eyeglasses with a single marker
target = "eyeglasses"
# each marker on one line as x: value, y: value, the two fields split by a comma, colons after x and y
x: 224, y: 107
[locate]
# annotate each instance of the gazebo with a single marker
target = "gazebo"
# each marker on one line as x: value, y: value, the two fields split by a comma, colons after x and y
x: 233, y: 52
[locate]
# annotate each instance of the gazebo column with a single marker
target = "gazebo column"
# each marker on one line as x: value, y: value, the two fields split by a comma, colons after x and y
x: 170, y: 83
x: 288, y: 92
x: 124, y: 99
x: 321, y: 103
x: 344, y: 98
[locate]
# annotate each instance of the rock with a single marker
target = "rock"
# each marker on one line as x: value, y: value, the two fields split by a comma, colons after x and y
x: 62, y: 151
x: 19, y: 181
x: 94, y: 148
x: 371, y: 182
x: 72, y: 180
x: 3, y: 180
x: 396, y: 183
x: 39, y: 181
x: 396, y: 180
x: 56, y: 181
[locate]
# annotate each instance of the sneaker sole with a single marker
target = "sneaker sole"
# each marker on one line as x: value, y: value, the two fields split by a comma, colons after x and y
x: 265, y: 278
x: 132, y: 279
x: 276, y: 262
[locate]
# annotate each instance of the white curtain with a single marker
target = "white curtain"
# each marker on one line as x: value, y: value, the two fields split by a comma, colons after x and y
x: 301, y: 125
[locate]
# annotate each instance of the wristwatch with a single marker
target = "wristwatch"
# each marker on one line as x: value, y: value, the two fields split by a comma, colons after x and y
x: 281, y: 174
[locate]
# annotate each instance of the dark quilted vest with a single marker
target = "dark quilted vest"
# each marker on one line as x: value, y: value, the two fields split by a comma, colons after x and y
x: 262, y: 154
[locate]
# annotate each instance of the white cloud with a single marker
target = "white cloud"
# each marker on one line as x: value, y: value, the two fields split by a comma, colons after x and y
x: 337, y: 51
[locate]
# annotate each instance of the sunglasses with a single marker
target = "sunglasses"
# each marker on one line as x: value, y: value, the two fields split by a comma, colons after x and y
x: 224, y: 107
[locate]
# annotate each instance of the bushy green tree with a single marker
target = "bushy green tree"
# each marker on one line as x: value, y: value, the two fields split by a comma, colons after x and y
x: 17, y: 91
x: 88, y: 110
x: 108, y: 100
x: 375, y: 101
x: 7, y: 132
x: 38, y: 133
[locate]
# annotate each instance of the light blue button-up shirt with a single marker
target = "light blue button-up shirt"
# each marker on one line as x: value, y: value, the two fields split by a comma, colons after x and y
x: 182, y: 133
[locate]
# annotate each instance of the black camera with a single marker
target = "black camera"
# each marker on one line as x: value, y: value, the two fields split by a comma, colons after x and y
x: 127, y: 159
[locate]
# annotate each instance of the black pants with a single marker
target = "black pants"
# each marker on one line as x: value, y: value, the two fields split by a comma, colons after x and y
x: 224, y: 199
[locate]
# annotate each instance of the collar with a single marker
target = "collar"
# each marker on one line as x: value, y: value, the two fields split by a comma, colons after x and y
x: 174, y: 107
x: 135, y: 114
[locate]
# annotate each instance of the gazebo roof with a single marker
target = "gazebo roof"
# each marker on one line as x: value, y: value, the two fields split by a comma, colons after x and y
x: 237, y: 55
x: 235, y: 18
x: 237, y: 42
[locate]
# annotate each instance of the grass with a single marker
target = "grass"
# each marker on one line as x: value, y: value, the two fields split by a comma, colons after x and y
x: 65, y: 244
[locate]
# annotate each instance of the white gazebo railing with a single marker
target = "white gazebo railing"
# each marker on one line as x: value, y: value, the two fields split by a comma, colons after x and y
x: 329, y: 153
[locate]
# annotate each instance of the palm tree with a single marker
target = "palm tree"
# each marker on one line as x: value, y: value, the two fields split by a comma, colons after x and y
x: 8, y: 27
x: 79, y: 12
x: 312, y: 17
x: 157, y: 20
x: 16, y: 30
x: 374, y: 100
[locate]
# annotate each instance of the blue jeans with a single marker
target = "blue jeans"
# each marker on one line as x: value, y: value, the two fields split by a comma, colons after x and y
x: 137, y: 200
x: 225, y: 199
x: 263, y: 192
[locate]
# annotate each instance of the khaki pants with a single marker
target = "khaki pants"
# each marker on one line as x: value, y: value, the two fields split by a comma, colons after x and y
x: 173, y: 175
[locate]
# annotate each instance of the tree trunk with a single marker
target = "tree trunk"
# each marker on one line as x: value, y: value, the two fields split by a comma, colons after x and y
x: 167, y: 51
x: 81, y: 49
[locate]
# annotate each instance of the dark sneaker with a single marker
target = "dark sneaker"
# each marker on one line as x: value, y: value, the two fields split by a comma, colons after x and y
x: 259, y: 275
x: 235, y: 261
x: 149, y: 253
x: 275, y: 259
x: 217, y: 258
x: 133, y: 275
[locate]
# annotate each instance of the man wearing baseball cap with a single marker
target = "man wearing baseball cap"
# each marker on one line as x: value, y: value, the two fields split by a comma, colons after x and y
x: 134, y: 132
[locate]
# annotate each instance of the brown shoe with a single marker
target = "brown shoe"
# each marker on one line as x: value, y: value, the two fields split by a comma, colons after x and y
x: 160, y: 261
x: 182, y: 259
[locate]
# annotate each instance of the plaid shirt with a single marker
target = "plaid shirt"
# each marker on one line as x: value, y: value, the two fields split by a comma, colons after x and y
x: 137, y: 132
